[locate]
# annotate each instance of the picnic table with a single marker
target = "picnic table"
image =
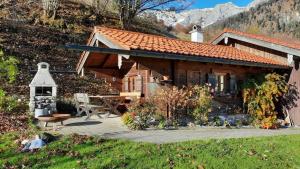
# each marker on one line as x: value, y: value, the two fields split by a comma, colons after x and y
x: 111, y: 102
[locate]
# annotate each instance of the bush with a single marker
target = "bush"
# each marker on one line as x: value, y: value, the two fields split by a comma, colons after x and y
x: 8, y: 73
x: 172, y: 99
x: 133, y: 122
x: 66, y: 106
x: 260, y: 95
x: 202, y: 104
x: 128, y: 119
x: 217, y: 121
x: 7, y: 103
x: 140, y: 114
x: 162, y: 124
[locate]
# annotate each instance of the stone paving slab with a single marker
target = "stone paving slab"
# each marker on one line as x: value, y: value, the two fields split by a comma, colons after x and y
x: 112, y: 128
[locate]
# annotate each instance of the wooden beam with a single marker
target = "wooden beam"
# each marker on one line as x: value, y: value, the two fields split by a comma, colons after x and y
x: 150, y: 54
x: 105, y: 60
x: 107, y: 71
x: 172, y: 71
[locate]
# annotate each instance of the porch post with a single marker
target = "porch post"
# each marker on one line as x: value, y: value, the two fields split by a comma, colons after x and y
x: 82, y: 72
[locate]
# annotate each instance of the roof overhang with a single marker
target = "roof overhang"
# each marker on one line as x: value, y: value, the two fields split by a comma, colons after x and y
x: 96, y: 37
x: 160, y: 55
x: 269, y: 45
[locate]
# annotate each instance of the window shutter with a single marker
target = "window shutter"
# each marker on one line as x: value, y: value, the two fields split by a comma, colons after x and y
x: 233, y: 85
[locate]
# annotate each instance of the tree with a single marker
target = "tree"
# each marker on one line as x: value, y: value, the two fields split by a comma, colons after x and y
x: 129, y: 9
x: 101, y: 8
x: 50, y: 7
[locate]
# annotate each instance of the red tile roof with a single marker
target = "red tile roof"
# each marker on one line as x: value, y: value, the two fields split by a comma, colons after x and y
x: 140, y: 41
x: 291, y: 44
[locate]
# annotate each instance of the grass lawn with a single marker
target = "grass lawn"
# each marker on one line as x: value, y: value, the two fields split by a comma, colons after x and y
x: 73, y: 152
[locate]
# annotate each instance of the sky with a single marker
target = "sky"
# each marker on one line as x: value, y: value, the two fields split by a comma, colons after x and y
x: 212, y: 3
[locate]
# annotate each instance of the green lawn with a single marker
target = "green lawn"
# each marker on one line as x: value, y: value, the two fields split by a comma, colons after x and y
x: 68, y: 152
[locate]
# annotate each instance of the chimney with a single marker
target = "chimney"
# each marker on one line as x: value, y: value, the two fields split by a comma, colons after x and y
x: 197, y: 34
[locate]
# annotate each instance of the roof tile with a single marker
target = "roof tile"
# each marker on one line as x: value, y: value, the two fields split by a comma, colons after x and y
x: 141, y: 41
x: 291, y: 44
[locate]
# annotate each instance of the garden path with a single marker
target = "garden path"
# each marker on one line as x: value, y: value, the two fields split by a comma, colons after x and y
x: 112, y: 128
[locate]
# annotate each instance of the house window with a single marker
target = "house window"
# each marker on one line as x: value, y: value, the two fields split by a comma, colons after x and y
x: 194, y: 78
x: 222, y: 82
x: 126, y: 84
x: 220, y: 86
x: 138, y: 83
x: 133, y: 84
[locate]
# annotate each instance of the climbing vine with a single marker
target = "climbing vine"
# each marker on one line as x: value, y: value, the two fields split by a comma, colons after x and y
x: 260, y: 95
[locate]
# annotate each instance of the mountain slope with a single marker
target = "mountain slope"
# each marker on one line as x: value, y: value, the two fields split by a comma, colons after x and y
x: 32, y: 39
x: 278, y: 18
x: 255, y: 3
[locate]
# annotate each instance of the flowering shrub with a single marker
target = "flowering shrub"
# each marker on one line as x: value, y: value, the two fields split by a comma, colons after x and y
x: 260, y: 96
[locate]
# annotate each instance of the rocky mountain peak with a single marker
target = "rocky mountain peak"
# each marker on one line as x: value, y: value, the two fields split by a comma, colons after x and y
x: 206, y: 16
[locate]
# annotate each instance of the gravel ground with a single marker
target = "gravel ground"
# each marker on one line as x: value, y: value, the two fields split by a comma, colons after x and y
x: 112, y: 128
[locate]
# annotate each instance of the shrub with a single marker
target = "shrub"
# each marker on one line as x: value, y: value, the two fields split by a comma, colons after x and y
x: 238, y: 123
x: 7, y: 103
x: 158, y: 117
x: 132, y: 121
x: 8, y: 73
x: 172, y: 99
x: 217, y: 121
x: 8, y: 68
x: 128, y: 119
x: 161, y: 124
x: 269, y: 122
x: 260, y: 95
x: 66, y: 106
x: 143, y: 113
x: 202, y: 104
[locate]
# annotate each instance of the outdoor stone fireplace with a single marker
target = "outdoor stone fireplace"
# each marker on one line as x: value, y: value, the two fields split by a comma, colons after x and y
x: 43, y: 89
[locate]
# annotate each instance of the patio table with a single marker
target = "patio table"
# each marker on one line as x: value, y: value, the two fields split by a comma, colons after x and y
x: 111, y: 102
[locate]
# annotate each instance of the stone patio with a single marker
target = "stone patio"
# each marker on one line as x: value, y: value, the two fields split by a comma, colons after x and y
x: 112, y: 128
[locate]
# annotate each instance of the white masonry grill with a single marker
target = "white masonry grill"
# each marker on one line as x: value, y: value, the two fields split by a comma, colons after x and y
x: 42, y: 87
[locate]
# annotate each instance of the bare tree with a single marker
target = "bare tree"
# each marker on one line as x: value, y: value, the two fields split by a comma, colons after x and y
x: 129, y: 9
x: 50, y: 7
x: 101, y: 8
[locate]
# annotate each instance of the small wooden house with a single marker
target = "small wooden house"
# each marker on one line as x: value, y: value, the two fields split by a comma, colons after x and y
x: 138, y: 62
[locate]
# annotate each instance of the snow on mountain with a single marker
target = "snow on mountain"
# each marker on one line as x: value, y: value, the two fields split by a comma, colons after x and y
x: 205, y: 16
